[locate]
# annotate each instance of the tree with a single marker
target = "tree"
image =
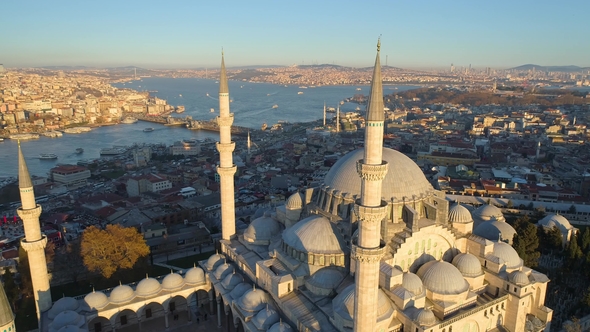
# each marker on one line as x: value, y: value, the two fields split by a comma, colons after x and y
x: 551, y: 238
x: 11, y: 288
x: 526, y: 241
x: 113, y: 248
x: 585, y: 243
x: 573, y: 250
x: 510, y: 204
x: 572, y: 209
x: 68, y: 262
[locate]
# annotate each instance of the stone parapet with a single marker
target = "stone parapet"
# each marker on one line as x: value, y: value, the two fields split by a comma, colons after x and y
x: 29, y: 213
x: 227, y: 171
x: 225, y: 147
x: 34, y: 245
x: 367, y: 255
x: 225, y: 121
x: 371, y: 172
x: 370, y: 214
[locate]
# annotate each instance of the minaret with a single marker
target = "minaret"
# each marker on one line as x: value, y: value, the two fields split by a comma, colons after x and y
x: 6, y: 314
x: 226, y: 169
x: 34, y: 242
x: 324, y: 114
x: 367, y: 250
x: 249, y: 143
x: 338, y: 119
x: 538, y: 150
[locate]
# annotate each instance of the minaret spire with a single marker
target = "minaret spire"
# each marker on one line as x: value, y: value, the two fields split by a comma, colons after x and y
x: 226, y: 169
x: 367, y: 250
x: 34, y: 242
x: 324, y: 114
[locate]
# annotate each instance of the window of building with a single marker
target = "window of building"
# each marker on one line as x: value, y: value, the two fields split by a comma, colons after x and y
x: 148, y: 313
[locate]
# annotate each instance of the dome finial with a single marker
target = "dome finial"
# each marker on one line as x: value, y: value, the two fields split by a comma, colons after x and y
x: 379, y: 44
x: 120, y: 283
x: 147, y: 276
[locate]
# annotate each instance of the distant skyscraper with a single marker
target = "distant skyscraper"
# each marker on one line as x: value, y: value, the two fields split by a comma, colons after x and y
x: 452, y: 68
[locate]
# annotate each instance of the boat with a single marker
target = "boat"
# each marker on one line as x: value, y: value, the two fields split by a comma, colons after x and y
x: 52, y: 134
x: 111, y: 151
x: 23, y: 136
x: 358, y: 89
x: 1, y: 139
x: 264, y: 126
x: 179, y: 109
x: 147, y: 130
x: 358, y: 108
x: 180, y: 95
x: 129, y: 120
x: 212, y: 110
x: 48, y: 156
x: 342, y: 102
x: 303, y: 87
x: 300, y: 92
x: 275, y: 106
x: 79, y: 150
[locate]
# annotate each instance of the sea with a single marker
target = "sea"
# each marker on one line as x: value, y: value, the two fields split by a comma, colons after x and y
x: 251, y: 103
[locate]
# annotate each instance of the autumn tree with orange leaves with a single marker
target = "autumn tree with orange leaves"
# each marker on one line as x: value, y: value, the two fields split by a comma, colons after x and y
x: 113, y: 248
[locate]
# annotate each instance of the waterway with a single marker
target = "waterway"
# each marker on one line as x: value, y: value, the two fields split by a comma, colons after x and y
x: 252, y: 106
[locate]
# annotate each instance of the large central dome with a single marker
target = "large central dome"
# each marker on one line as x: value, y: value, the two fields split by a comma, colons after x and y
x: 404, y: 178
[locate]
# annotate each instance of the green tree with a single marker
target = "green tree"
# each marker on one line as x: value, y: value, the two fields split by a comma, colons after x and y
x: 585, y: 242
x: 113, y: 248
x: 572, y: 209
x: 11, y: 288
x: 573, y: 249
x: 510, y: 204
x: 526, y: 241
x: 68, y: 262
x: 550, y: 238
x: 25, y: 273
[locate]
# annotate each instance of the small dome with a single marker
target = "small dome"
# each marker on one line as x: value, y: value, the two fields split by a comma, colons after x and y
x: 195, y: 275
x: 280, y: 327
x: 121, y: 294
x: 63, y: 304
x: 96, y: 300
x: 518, y: 278
x: 222, y: 271
x: 468, y: 265
x: 253, y: 300
x: 343, y: 304
x: 148, y: 287
x: 425, y: 317
x: 214, y: 261
x: 327, y: 277
x: 261, y: 229
x: 412, y: 283
x: 442, y: 278
x: 232, y: 280
x: 508, y: 254
x: 494, y: 230
x: 294, y: 202
x: 239, y: 290
x: 486, y: 212
x: 265, y: 318
x: 316, y: 235
x: 259, y: 213
x: 459, y: 214
x: 556, y: 220
x: 66, y: 318
x: 173, y: 281
x: 71, y: 328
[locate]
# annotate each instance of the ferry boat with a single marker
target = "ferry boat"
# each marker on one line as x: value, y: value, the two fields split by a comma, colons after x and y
x: 129, y: 120
x: 48, y: 156
x: 264, y: 126
x: 275, y: 106
x: 111, y: 151
x: 79, y: 150
x: 147, y: 130
x: 358, y: 89
x: 300, y: 92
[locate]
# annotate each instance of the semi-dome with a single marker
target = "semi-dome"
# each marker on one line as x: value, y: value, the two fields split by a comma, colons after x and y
x: 508, y: 254
x: 148, y: 287
x: 343, y: 304
x: 239, y: 290
x: 425, y: 317
x: 214, y: 261
x: 459, y: 214
x: 96, y: 300
x: 324, y: 280
x: 63, y: 304
x: 294, y: 202
x: 280, y: 327
x: 486, y: 212
x: 495, y: 230
x: 442, y: 278
x: 404, y: 178
x: 173, y: 281
x: 262, y: 230
x: 121, y: 294
x: 468, y: 265
x: 222, y: 271
x: 253, y: 300
x: 556, y: 220
x: 412, y: 283
x: 232, y: 280
x: 518, y: 278
x: 265, y: 318
x: 315, y: 234
x: 66, y: 318
x: 195, y: 275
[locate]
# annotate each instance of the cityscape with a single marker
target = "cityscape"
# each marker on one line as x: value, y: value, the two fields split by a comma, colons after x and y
x: 351, y: 181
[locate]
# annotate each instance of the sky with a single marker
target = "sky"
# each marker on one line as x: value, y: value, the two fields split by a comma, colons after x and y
x: 191, y: 34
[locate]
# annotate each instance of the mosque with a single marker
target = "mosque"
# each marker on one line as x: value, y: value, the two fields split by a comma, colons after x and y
x: 374, y: 248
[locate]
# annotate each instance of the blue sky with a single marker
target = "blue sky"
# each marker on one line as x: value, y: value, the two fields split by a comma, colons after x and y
x: 190, y: 34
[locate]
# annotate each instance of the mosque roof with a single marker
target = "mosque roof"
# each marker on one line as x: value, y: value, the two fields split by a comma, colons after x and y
x: 148, y: 287
x: 232, y: 280
x: 172, y: 281
x: 265, y: 318
x: 96, y: 300
x: 253, y: 300
x: 295, y: 201
x: 222, y: 271
x: 494, y: 230
x: 262, y: 229
x: 280, y: 327
x: 519, y: 278
x: 459, y: 214
x: 412, y: 283
x: 442, y: 277
x: 425, y: 317
x: 65, y: 318
x: 487, y: 211
x: 467, y: 264
x: 508, y: 254
x: 315, y: 234
x: 194, y: 275
x: 121, y: 294
x: 343, y: 303
x: 556, y: 220
x: 213, y: 261
x: 63, y: 304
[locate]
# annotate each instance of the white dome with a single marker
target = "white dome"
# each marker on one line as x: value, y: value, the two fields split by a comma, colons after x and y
x: 148, y: 287
x: 343, y: 304
x: 486, y: 212
x: 508, y: 254
x: 518, y: 278
x: 262, y: 229
x: 294, y: 202
x: 222, y: 271
x: 66, y: 318
x: 442, y: 278
x: 425, y: 317
x: 214, y: 261
x: 173, y: 281
x: 468, y: 265
x: 280, y: 327
x: 404, y: 178
x: 265, y: 318
x: 195, y: 275
x: 232, y: 280
x: 121, y: 294
x: 63, y: 304
x: 239, y: 290
x: 459, y: 214
x: 556, y: 220
x: 495, y: 230
x: 96, y: 300
x: 316, y: 235
x: 412, y: 283
x: 253, y: 300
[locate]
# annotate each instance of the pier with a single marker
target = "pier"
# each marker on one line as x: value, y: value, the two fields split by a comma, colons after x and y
x: 188, y: 122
